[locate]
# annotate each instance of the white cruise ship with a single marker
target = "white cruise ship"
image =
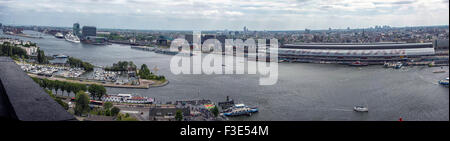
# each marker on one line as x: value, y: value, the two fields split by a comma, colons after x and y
x: 72, y: 38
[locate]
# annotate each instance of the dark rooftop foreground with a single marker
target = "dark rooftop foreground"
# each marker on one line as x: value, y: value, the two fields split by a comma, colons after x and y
x: 22, y: 99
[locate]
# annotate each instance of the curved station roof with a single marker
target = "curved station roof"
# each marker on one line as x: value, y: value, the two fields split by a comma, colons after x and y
x: 378, y: 49
x: 359, y: 46
x: 359, y: 52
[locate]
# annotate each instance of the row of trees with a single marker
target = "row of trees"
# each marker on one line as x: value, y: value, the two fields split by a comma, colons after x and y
x: 122, y: 66
x: 56, y: 85
x: 96, y: 91
x: 145, y: 73
x: 74, y: 62
x: 8, y: 49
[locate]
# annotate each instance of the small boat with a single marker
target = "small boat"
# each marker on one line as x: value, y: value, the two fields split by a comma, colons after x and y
x: 59, y: 35
x: 60, y: 56
x: 361, y: 109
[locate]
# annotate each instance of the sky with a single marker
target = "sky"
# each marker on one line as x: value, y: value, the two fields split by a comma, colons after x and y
x: 225, y: 14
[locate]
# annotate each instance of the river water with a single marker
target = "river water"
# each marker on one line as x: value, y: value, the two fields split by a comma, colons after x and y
x: 303, y: 91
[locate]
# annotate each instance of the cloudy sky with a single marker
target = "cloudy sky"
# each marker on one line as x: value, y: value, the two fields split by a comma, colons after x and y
x: 225, y: 14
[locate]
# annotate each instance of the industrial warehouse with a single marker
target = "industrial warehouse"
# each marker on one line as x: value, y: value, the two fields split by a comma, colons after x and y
x: 377, y: 53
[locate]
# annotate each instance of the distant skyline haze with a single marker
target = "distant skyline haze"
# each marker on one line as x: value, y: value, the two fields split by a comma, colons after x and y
x: 225, y: 14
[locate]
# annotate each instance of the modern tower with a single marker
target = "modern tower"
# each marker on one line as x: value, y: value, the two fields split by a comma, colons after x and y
x: 76, y: 29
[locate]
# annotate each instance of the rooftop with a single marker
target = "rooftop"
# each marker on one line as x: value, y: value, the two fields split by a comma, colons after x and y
x: 22, y: 99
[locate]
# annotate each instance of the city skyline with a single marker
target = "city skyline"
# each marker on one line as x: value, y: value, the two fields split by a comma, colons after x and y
x: 226, y: 14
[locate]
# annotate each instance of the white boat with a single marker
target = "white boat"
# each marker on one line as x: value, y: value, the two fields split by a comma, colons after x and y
x: 361, y: 109
x: 127, y: 98
x: 59, y: 35
x: 72, y: 38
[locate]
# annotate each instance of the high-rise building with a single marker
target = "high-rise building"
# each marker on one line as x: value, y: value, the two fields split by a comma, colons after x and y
x: 89, y: 31
x: 0, y: 25
x: 76, y: 29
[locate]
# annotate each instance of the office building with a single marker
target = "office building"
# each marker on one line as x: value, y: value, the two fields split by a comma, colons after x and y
x: 89, y: 31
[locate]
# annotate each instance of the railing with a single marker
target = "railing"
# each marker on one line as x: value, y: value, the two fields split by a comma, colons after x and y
x: 22, y: 99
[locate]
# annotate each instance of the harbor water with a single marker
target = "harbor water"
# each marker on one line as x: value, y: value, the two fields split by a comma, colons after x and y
x: 303, y: 92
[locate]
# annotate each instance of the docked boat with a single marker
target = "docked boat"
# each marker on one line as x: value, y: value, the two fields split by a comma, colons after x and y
x: 358, y: 63
x: 127, y: 98
x: 59, y: 35
x: 360, y: 109
x: 398, y: 65
x: 72, y: 38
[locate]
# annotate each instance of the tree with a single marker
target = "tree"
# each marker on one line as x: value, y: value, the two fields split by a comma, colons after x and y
x: 179, y: 115
x: 75, y: 87
x: 69, y: 88
x: 144, y: 70
x: 97, y: 91
x: 82, y: 103
x: 215, y: 111
x: 42, y: 59
x: 132, y: 66
x: 51, y: 85
x: 82, y: 87
x: 57, y: 86
x: 115, y: 111
x: 62, y: 86
x: 107, y: 105
x: 74, y: 62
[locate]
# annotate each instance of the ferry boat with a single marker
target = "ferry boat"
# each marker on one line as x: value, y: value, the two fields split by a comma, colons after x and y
x: 358, y: 63
x: 72, y: 38
x: 127, y: 98
x: 444, y: 82
x: 59, y: 35
x: 361, y: 109
x: 240, y: 109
